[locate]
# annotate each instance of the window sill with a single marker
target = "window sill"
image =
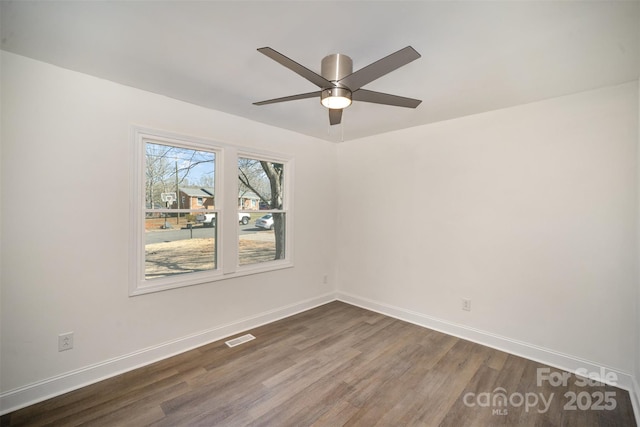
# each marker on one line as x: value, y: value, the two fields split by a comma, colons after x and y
x: 193, y: 279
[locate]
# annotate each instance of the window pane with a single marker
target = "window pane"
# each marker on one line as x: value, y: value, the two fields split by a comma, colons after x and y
x: 171, y: 250
x: 261, y: 183
x: 178, y: 242
x: 261, y: 187
x: 263, y: 240
x: 178, y: 178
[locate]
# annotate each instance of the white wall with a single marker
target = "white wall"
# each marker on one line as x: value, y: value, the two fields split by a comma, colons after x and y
x: 530, y: 212
x: 66, y: 225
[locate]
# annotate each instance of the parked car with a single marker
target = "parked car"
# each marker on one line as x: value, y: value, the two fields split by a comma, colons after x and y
x: 265, y: 222
x: 209, y: 219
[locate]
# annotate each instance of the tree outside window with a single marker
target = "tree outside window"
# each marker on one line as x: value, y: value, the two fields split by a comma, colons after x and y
x: 266, y: 180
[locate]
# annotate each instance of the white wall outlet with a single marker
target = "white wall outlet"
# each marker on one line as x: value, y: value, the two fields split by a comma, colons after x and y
x: 466, y: 304
x: 325, y: 279
x: 65, y: 341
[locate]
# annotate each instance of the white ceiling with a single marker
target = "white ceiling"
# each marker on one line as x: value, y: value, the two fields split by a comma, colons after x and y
x: 476, y: 56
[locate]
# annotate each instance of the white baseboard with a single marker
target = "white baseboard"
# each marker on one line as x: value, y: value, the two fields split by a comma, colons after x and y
x: 542, y: 355
x: 635, y: 399
x: 51, y: 387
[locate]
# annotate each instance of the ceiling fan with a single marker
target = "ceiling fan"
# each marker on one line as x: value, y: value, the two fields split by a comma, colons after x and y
x: 339, y: 85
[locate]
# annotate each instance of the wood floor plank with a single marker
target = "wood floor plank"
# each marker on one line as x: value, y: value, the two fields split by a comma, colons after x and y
x: 442, y: 385
x: 393, y: 399
x: 306, y: 407
x: 284, y: 392
x: 222, y: 388
x: 338, y: 415
x: 460, y: 413
x: 334, y: 365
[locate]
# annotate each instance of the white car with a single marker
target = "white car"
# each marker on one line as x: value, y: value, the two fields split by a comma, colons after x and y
x: 209, y: 220
x: 265, y: 222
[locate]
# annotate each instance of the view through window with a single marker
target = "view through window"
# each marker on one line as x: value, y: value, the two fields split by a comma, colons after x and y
x: 180, y: 236
x: 261, y: 195
x: 204, y: 211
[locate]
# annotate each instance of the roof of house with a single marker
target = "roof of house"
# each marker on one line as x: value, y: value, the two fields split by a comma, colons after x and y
x: 248, y: 195
x: 208, y: 192
x: 197, y: 191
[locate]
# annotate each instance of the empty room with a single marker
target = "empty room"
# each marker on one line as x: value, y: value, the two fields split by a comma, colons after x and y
x: 297, y: 213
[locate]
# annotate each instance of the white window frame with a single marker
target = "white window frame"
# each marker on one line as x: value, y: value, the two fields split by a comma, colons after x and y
x: 226, y: 209
x: 287, y: 206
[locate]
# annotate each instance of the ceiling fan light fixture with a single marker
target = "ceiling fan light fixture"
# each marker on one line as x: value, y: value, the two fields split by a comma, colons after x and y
x: 336, y: 98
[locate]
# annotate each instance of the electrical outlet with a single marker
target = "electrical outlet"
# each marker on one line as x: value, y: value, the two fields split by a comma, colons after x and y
x: 466, y: 304
x: 325, y: 279
x: 65, y: 341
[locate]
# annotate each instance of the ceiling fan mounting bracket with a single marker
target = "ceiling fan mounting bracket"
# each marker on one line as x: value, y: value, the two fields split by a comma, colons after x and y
x: 335, y: 67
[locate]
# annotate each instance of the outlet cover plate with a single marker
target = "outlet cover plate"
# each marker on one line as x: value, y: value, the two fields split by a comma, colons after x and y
x: 65, y: 341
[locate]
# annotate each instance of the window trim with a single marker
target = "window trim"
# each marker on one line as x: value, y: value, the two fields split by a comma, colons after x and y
x: 226, y: 187
x: 287, y: 206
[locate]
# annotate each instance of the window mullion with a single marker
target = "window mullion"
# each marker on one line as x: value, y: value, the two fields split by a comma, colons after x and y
x: 229, y: 229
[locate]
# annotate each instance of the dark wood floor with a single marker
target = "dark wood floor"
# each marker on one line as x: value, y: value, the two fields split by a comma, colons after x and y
x: 331, y: 366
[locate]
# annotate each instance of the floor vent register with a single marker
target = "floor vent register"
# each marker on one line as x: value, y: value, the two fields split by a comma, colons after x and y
x: 240, y: 340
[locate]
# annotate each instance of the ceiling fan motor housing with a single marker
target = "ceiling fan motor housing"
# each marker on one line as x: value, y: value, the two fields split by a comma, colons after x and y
x: 335, y: 67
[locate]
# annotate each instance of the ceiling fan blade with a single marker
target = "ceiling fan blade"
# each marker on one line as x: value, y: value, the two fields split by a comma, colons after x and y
x: 375, y: 70
x: 290, y: 98
x: 301, y: 70
x: 384, y: 98
x: 335, y: 116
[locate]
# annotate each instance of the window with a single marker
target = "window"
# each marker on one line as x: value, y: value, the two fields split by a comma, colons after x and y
x: 172, y: 246
x: 266, y: 241
x: 182, y: 233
